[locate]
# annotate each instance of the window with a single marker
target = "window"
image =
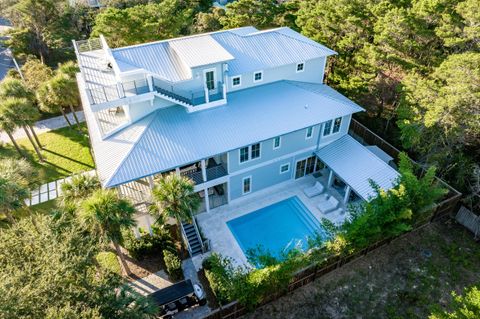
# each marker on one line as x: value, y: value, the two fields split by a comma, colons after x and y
x: 249, y: 152
x: 236, y: 81
x: 284, y: 168
x: 243, y: 154
x: 247, y: 185
x: 336, y: 124
x: 276, y: 142
x: 309, y: 133
x: 210, y: 80
x: 327, y: 128
x: 257, y: 76
x: 255, y: 151
x: 300, y: 67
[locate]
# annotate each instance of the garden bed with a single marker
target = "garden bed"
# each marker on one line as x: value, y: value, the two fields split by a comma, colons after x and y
x: 402, y: 280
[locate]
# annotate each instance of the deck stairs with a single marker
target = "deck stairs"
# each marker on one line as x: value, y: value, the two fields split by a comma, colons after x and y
x: 192, y: 238
x: 172, y: 97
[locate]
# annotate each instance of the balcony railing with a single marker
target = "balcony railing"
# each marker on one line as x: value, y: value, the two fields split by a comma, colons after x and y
x: 214, y: 172
x: 110, y: 93
x: 89, y: 45
x: 191, y: 97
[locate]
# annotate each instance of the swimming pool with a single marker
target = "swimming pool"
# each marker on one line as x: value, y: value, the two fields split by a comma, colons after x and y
x: 276, y: 228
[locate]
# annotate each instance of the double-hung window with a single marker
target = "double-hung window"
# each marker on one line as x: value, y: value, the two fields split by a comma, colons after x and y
x: 309, y: 132
x: 276, y: 142
x: 336, y: 124
x: 246, y: 185
x: 327, y: 128
x: 255, y: 151
x: 244, y: 154
x: 249, y: 152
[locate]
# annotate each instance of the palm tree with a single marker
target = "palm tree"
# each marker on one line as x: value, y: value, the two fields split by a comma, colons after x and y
x: 69, y: 69
x: 48, y: 103
x: 174, y: 197
x: 79, y: 188
x: 8, y: 126
x: 16, y: 179
x: 105, y: 214
x: 59, y: 92
x: 21, y: 113
x: 11, y: 87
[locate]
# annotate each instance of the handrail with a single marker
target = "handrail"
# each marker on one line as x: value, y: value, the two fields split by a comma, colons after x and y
x: 185, y: 238
x: 117, y: 91
x: 197, y: 232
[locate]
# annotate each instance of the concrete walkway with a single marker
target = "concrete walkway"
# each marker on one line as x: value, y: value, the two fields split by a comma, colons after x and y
x: 49, y: 191
x: 45, y: 126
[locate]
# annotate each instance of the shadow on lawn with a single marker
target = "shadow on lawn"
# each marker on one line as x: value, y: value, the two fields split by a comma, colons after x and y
x: 66, y: 157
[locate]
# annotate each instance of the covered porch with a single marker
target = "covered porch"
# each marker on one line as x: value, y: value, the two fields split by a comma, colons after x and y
x: 352, y: 168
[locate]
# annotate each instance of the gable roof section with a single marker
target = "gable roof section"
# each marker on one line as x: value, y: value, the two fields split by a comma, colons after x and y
x: 175, y: 138
x: 356, y: 165
x: 246, y: 50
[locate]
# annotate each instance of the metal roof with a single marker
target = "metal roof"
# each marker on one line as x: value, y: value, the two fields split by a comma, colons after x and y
x: 156, y: 57
x: 199, y: 50
x: 356, y: 166
x: 174, y: 137
x: 268, y: 49
x: 246, y: 49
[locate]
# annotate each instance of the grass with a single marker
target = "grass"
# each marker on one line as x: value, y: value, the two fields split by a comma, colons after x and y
x: 109, y: 261
x: 406, y: 279
x: 66, y: 151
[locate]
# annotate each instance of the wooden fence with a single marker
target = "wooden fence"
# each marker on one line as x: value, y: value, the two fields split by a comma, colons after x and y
x: 441, y: 210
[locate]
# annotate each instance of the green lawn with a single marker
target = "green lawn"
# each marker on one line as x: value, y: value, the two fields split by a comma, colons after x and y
x: 66, y: 151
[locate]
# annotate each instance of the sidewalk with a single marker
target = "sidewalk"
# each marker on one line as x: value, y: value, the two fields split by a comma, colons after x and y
x: 45, y: 126
x: 50, y: 190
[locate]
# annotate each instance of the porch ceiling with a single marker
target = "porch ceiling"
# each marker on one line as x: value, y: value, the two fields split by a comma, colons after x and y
x: 356, y: 166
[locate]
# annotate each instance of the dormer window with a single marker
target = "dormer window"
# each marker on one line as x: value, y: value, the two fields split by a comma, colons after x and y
x: 236, y: 81
x: 258, y: 76
x: 300, y: 67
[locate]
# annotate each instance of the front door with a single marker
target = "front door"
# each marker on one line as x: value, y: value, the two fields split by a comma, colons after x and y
x: 210, y: 80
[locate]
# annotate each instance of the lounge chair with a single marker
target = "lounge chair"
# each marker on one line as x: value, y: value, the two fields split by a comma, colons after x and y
x: 329, y: 205
x: 315, y: 190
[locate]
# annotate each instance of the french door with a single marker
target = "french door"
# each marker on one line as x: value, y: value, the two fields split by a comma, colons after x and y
x: 306, y: 166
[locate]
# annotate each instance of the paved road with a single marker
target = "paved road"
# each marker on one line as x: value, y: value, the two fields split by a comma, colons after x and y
x: 6, y: 61
x: 45, y: 126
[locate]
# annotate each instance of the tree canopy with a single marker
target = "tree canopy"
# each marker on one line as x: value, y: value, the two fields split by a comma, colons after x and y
x: 48, y: 270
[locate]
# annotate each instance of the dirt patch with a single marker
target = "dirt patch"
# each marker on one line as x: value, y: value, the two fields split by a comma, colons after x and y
x: 401, y: 280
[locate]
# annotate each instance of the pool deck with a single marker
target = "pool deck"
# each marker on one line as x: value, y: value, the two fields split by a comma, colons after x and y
x: 213, y: 224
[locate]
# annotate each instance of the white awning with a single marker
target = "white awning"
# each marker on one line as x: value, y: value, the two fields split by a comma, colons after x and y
x: 356, y: 166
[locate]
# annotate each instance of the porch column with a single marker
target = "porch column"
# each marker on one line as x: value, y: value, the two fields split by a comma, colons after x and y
x: 207, y: 201
x: 330, y: 178
x: 177, y: 170
x: 204, y: 170
x: 149, y: 226
x: 348, y: 189
x: 150, y: 182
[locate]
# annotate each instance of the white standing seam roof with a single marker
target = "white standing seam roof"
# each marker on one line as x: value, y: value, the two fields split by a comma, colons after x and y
x: 356, y: 166
x: 245, y: 49
x: 199, y: 50
x: 172, y: 137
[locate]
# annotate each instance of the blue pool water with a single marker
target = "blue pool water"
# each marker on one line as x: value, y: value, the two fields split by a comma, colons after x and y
x: 276, y: 228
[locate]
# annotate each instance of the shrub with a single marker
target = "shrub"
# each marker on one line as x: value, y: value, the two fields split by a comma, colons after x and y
x: 173, y: 264
x: 148, y: 245
x: 109, y: 261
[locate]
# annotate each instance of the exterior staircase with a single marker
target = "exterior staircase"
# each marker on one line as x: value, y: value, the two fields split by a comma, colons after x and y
x: 172, y: 97
x: 193, y: 239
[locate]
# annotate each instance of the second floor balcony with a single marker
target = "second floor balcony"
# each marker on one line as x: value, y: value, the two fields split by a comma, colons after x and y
x: 213, y: 170
x: 103, y: 94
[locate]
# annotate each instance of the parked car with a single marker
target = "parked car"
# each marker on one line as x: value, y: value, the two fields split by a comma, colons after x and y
x: 178, y: 297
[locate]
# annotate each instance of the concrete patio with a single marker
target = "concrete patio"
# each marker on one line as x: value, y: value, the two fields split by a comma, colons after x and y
x: 213, y: 224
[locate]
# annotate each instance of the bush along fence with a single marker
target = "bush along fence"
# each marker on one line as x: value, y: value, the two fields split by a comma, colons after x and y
x: 418, y: 199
